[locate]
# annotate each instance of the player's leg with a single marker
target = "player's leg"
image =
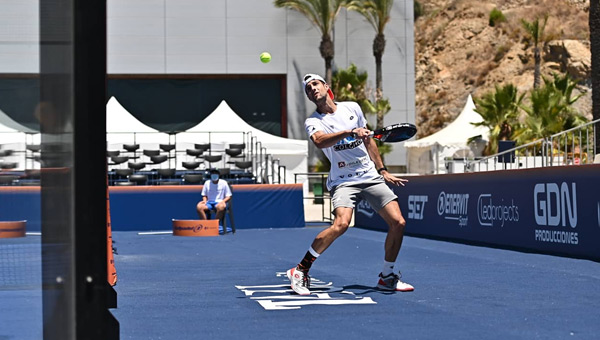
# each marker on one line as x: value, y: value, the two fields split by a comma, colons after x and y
x: 392, y: 215
x: 343, y: 216
x: 201, y: 208
x: 383, y: 200
x: 343, y: 199
x: 388, y: 280
x: 298, y: 276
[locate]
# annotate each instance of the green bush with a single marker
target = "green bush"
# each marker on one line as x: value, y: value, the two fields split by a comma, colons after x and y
x: 496, y: 17
x: 501, y: 52
x: 419, y: 11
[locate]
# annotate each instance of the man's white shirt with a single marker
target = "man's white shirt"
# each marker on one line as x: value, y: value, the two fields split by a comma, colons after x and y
x: 216, y: 192
x: 350, y: 161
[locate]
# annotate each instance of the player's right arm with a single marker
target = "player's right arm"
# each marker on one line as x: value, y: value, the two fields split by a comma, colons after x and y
x: 324, y: 140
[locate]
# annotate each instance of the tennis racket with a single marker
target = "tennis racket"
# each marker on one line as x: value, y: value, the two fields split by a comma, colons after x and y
x: 394, y: 133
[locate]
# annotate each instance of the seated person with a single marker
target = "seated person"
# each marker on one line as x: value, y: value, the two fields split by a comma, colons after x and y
x: 215, y: 195
x: 578, y: 156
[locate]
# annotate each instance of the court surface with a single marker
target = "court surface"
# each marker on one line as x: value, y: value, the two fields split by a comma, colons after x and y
x: 232, y: 287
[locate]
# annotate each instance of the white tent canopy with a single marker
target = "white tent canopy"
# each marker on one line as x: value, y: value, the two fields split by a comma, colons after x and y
x: 15, y: 137
x: 124, y: 128
x: 426, y: 155
x: 13, y: 132
x: 223, y: 127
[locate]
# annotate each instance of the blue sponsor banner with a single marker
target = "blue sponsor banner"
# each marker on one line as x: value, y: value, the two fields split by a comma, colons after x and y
x: 551, y: 210
x: 143, y: 208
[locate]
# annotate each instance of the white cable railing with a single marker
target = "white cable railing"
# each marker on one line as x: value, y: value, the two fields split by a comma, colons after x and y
x: 571, y: 147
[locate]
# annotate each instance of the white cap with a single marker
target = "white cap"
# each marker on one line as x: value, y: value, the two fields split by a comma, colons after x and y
x: 310, y: 77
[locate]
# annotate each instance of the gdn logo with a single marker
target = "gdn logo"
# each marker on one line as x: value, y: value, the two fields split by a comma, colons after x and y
x: 553, y: 205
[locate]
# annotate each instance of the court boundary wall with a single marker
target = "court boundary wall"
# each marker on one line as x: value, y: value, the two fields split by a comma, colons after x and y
x: 146, y: 208
x: 552, y: 211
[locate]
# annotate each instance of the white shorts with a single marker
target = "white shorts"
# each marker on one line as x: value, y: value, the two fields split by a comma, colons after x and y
x: 374, y: 191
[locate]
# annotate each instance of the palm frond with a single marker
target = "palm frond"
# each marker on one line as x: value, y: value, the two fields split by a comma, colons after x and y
x: 321, y: 13
x: 376, y: 12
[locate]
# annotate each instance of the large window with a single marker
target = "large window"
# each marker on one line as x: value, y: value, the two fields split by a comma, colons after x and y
x: 176, y: 103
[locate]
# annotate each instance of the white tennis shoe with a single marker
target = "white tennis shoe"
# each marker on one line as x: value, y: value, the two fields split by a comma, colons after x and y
x: 392, y: 282
x: 299, y: 280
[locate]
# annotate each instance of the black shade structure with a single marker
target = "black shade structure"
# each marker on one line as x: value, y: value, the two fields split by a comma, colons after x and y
x: 72, y: 114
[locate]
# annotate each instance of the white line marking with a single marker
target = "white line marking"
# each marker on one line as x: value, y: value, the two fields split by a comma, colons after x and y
x: 155, y: 232
x: 265, y: 286
x: 281, y: 291
x: 292, y: 297
x: 287, y: 300
x: 249, y: 292
x: 312, y: 285
x: 297, y: 304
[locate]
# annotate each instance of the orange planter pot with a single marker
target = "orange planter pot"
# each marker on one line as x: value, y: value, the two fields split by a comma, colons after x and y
x: 17, y: 229
x: 196, y: 227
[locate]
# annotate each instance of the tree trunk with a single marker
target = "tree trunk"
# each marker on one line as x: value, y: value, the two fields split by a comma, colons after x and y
x: 327, y: 52
x: 378, y: 49
x: 595, y: 49
x: 536, y: 71
x: 328, y: 70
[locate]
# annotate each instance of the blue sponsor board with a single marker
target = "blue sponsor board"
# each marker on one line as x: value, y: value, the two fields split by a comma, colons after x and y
x: 144, y: 208
x: 551, y: 210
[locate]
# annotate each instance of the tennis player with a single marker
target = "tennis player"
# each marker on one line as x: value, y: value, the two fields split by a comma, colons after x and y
x: 339, y: 129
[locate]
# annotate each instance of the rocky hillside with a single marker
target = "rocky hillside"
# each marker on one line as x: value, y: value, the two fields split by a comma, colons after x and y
x: 458, y: 53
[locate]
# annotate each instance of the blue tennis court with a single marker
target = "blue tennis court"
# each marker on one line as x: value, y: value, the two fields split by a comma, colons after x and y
x: 233, y: 287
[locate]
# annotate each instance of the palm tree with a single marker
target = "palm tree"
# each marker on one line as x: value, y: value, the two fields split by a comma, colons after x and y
x: 377, y: 13
x: 322, y: 14
x: 351, y: 85
x: 595, y: 49
x: 550, y: 110
x: 500, y: 111
x: 537, y: 34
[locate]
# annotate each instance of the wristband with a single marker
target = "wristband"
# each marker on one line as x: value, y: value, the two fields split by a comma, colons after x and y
x: 352, y: 134
x: 381, y: 169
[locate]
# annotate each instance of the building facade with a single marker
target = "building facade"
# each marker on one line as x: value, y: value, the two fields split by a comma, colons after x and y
x: 172, y: 61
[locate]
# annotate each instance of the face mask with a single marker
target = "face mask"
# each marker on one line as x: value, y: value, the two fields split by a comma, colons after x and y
x: 214, y: 177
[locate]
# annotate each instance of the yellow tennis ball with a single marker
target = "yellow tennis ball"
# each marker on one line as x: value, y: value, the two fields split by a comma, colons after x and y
x: 265, y: 57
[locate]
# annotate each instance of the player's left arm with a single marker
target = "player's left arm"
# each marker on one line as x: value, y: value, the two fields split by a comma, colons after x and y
x: 376, y: 158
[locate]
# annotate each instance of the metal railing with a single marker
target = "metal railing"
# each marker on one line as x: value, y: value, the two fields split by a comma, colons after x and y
x: 320, y: 196
x: 266, y: 168
x: 571, y: 147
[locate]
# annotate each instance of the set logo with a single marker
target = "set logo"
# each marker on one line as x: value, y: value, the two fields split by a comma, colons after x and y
x: 554, y: 205
x: 416, y: 206
x: 491, y: 212
x: 351, y: 117
x: 453, y: 207
x: 341, y: 164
